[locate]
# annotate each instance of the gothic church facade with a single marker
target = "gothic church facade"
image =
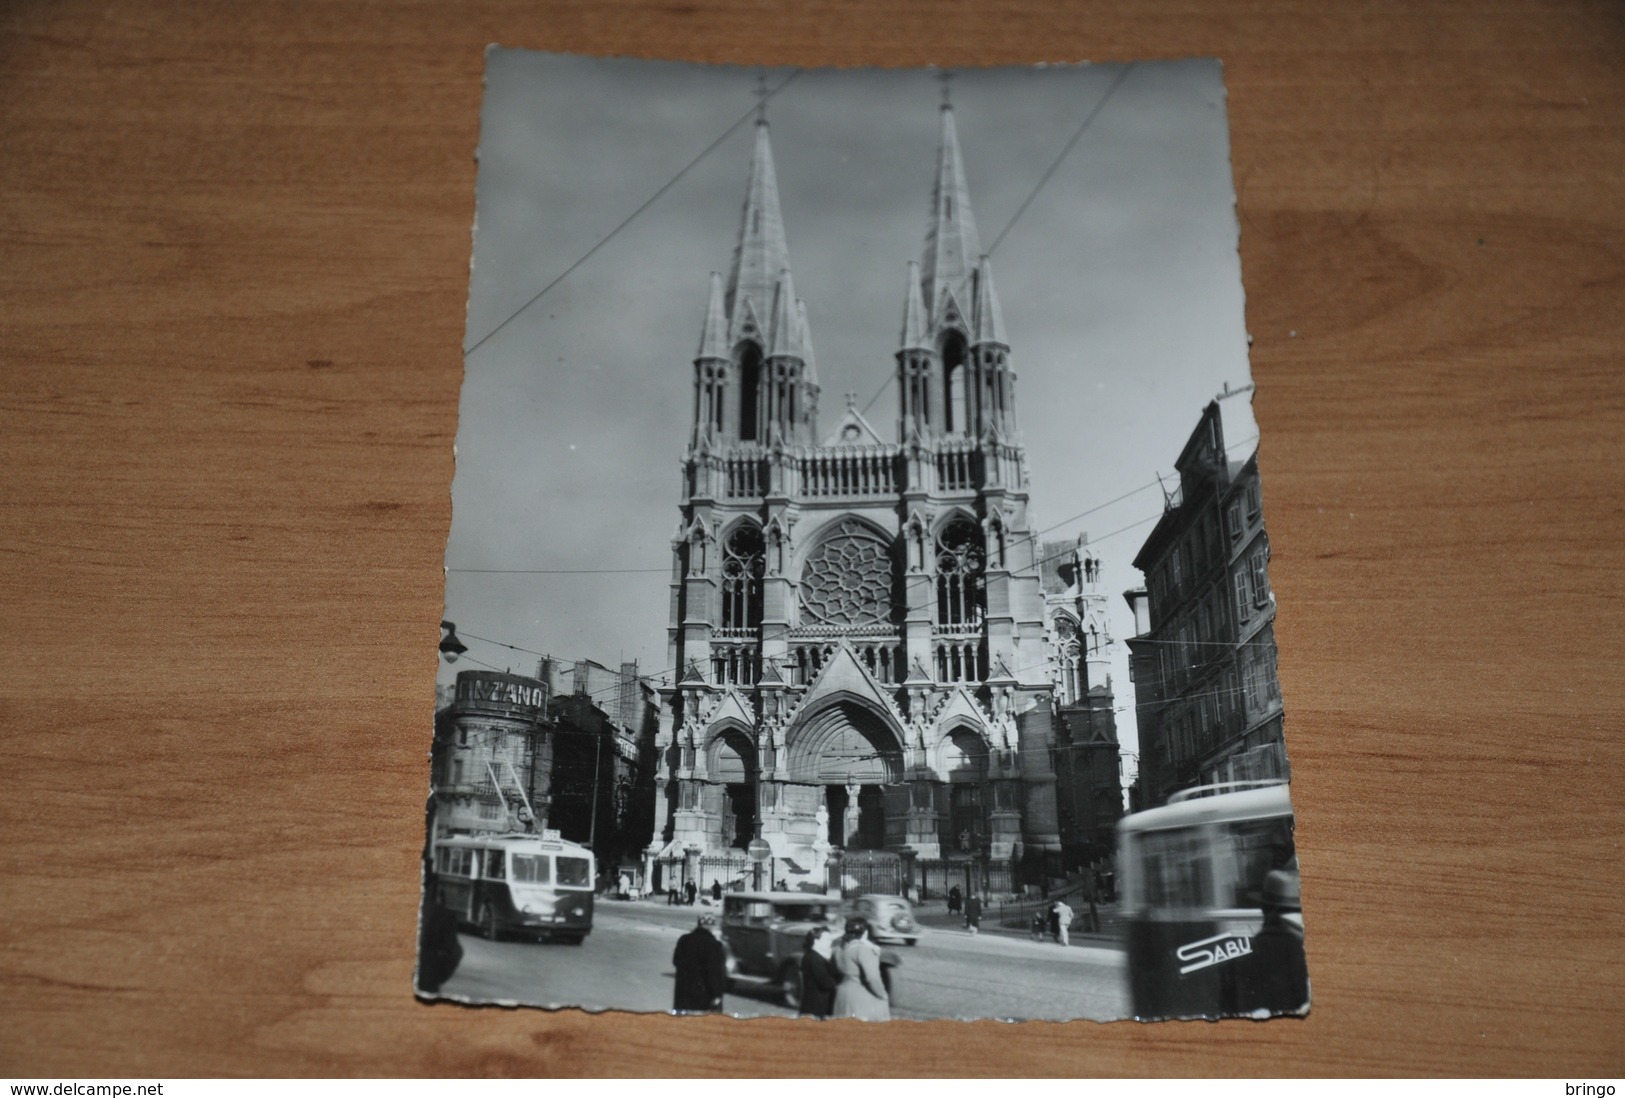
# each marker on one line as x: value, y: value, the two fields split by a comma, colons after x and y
x: 869, y: 657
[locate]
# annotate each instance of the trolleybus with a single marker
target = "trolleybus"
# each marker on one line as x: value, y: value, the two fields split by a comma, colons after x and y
x: 1191, y: 876
x: 540, y: 885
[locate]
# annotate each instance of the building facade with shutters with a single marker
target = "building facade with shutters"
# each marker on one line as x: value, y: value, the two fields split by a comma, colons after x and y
x: 1204, y: 659
x: 867, y: 656
x: 569, y: 750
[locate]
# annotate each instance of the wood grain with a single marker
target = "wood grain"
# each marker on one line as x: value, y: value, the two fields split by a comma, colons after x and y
x: 235, y: 243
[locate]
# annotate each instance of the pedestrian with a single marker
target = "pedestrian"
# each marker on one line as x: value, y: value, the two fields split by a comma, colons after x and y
x: 671, y: 897
x: 1054, y: 924
x: 716, y: 890
x: 702, y: 969
x: 690, y: 890
x: 973, y: 913
x: 862, y: 990
x: 953, y: 900
x: 819, y: 976
x: 1038, y: 926
x: 624, y: 883
x: 1274, y: 976
x: 1063, y: 922
x: 439, y: 951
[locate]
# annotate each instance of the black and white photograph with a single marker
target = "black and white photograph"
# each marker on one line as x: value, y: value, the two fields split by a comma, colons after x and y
x: 857, y: 593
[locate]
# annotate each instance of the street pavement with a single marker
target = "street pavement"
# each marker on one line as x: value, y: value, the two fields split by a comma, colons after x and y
x: 625, y: 964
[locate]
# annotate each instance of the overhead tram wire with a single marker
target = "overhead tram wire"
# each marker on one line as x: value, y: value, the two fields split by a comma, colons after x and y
x: 1088, y: 121
x: 754, y: 110
x: 1045, y: 178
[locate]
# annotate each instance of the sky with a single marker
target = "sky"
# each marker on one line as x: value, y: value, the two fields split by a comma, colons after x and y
x: 1116, y: 266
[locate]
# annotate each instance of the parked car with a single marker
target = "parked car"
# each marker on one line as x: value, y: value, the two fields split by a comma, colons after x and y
x: 891, y: 918
x: 765, y: 933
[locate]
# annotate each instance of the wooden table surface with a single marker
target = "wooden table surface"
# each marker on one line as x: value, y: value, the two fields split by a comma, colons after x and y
x: 235, y: 259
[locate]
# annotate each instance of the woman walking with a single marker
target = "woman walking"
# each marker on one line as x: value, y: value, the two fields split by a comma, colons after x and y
x: 862, y: 990
x: 818, y: 974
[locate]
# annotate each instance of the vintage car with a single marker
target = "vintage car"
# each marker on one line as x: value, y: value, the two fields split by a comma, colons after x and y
x: 891, y: 918
x: 765, y: 933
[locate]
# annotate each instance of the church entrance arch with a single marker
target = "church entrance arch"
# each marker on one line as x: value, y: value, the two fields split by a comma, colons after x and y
x: 852, y: 751
x: 963, y: 761
x: 731, y: 764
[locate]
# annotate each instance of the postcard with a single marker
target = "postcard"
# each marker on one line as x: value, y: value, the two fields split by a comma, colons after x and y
x: 798, y: 660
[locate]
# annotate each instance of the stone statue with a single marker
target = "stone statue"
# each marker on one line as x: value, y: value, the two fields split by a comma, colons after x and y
x: 822, y: 815
x: 850, y: 820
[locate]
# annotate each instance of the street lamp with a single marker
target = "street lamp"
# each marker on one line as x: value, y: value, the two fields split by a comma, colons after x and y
x: 450, y: 646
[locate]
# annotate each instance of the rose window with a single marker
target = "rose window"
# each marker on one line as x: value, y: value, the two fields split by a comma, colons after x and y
x: 847, y: 578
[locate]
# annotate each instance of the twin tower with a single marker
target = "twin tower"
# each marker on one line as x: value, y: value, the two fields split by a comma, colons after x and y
x: 867, y: 659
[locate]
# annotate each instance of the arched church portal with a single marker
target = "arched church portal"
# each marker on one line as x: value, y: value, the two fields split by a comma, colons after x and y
x: 731, y: 762
x: 852, y: 752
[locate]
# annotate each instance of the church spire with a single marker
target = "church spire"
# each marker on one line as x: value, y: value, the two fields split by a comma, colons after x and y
x: 714, y: 340
x: 762, y: 254
x: 914, y: 335
x: 989, y: 317
x: 951, y: 244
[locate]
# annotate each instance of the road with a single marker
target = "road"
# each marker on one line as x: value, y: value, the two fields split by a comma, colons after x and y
x: 626, y: 965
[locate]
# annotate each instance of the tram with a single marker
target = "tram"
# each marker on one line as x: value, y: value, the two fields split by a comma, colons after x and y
x: 1192, y: 877
x: 539, y: 885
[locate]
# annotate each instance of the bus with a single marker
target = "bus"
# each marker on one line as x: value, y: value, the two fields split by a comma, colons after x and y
x: 1191, y: 877
x: 539, y: 885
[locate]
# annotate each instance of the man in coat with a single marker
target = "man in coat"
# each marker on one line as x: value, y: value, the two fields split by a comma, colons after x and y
x: 702, y: 969
x: 439, y: 951
x: 1274, y: 977
x: 819, y: 975
x: 690, y: 890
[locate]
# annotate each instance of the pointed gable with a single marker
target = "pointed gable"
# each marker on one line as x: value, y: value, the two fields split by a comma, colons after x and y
x: 947, y: 313
x: 853, y: 429
x: 960, y: 708
x: 733, y: 708
x: 747, y: 327
x: 844, y: 676
x: 951, y: 243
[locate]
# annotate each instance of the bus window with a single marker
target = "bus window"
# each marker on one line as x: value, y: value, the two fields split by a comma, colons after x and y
x: 574, y: 872
x: 442, y: 860
x: 1257, y: 846
x: 493, y: 865
x: 1178, y: 870
x: 532, y: 869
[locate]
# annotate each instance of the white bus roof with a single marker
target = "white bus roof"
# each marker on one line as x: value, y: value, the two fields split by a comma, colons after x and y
x: 516, y: 839
x: 1246, y: 804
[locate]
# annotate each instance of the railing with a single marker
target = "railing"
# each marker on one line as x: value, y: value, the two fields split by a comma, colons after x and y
x: 958, y: 465
x: 735, y: 664
x: 871, y: 471
x: 883, y: 656
x: 958, y: 654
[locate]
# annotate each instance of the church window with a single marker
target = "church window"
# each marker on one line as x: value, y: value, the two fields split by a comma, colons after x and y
x: 750, y: 388
x: 960, y: 584
x: 847, y: 578
x: 743, y: 564
x: 953, y: 378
